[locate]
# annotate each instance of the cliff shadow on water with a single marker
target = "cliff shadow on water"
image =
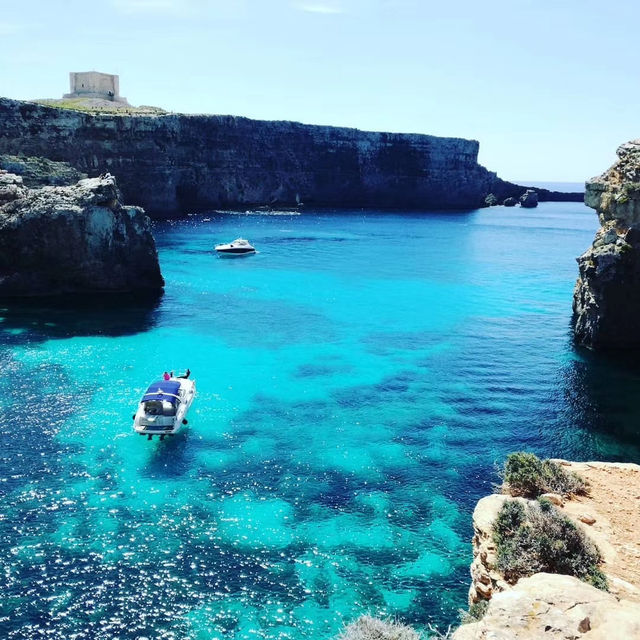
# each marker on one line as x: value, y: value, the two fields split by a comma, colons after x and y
x: 67, y: 316
x: 602, y: 391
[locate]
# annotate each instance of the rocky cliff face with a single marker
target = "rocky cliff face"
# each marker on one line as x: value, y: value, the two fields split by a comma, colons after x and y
x: 606, y: 301
x: 74, y: 239
x: 172, y: 163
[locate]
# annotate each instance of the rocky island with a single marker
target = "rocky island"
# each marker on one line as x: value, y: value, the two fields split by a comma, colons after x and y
x: 606, y: 301
x: 173, y: 163
x: 73, y: 239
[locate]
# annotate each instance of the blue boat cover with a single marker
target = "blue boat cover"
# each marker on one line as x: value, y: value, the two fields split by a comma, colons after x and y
x: 158, y: 391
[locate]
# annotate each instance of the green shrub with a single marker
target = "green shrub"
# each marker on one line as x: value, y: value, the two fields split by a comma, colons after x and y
x: 526, y: 475
x: 540, y: 538
x: 475, y: 613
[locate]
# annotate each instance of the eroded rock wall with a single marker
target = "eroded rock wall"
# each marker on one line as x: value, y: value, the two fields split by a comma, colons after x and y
x: 75, y: 239
x: 173, y: 163
x: 606, y: 301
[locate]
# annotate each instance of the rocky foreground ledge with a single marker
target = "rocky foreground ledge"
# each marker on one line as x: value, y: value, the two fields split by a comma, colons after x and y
x: 606, y: 301
x: 554, y: 606
x: 543, y: 604
x: 73, y: 239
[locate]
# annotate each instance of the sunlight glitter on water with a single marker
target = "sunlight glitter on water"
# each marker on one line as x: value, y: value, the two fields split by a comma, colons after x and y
x: 357, y: 381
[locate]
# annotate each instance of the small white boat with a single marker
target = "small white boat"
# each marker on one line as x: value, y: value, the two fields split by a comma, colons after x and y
x: 239, y: 247
x: 163, y: 408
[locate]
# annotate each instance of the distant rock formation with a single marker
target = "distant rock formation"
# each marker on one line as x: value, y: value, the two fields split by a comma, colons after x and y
x: 529, y: 199
x: 172, y: 164
x: 606, y: 300
x: 77, y: 239
x: 510, y: 202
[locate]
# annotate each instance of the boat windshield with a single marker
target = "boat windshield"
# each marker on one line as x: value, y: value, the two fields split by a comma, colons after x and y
x: 163, y: 391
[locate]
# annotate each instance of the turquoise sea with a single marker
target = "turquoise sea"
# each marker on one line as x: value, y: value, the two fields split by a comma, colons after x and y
x: 359, y: 379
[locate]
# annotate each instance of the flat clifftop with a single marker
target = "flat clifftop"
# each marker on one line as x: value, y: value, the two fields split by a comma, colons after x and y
x: 99, y: 105
x: 610, y: 514
x: 172, y: 163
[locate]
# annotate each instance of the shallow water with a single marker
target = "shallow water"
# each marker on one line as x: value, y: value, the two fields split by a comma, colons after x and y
x: 358, y: 380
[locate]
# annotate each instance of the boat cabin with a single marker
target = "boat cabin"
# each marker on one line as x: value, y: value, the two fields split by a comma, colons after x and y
x: 162, y: 398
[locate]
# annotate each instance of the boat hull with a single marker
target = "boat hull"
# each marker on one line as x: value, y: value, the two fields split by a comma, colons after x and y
x: 161, y: 425
x: 234, y: 253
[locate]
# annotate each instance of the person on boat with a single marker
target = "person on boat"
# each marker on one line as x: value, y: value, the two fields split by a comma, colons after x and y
x: 171, y: 376
x: 166, y: 376
x: 187, y: 373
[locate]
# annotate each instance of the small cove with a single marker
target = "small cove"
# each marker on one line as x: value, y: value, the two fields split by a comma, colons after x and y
x: 358, y: 380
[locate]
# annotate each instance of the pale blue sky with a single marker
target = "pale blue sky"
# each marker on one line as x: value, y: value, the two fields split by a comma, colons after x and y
x: 548, y: 87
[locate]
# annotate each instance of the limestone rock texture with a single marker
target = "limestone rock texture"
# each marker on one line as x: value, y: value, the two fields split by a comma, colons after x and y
x: 485, y: 577
x: 41, y: 172
x: 606, y: 300
x: 172, y: 164
x: 555, y: 607
x: 74, y: 239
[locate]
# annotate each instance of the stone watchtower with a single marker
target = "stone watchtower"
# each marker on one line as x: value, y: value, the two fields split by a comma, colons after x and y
x: 92, y: 84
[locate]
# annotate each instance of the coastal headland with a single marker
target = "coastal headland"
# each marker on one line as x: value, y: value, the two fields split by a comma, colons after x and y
x: 176, y: 163
x: 73, y: 240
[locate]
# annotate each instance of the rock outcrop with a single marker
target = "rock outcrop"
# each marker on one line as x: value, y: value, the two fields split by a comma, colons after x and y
x: 77, y: 239
x: 546, y: 604
x: 606, y: 300
x: 485, y: 577
x: 172, y: 163
x: 510, y: 202
x: 529, y: 199
x: 41, y: 172
x: 553, y: 606
x: 556, y: 607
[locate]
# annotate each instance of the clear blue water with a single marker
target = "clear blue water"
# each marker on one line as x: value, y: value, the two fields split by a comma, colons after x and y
x: 358, y: 381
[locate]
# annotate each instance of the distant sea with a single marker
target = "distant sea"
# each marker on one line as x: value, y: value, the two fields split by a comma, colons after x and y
x: 359, y: 379
x: 570, y: 187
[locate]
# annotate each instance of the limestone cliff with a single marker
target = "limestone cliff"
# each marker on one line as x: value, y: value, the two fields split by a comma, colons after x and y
x: 556, y: 606
x: 606, y: 301
x: 75, y: 239
x: 173, y: 163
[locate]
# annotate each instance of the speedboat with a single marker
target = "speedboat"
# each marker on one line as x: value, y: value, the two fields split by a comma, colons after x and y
x: 239, y: 247
x: 163, y: 408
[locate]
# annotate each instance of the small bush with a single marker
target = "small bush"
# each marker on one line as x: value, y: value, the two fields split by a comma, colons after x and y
x: 540, y: 538
x: 369, y: 628
x: 526, y: 475
x: 475, y: 613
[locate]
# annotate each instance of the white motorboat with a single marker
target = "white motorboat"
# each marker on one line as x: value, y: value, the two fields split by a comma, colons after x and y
x: 163, y: 408
x: 239, y: 247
